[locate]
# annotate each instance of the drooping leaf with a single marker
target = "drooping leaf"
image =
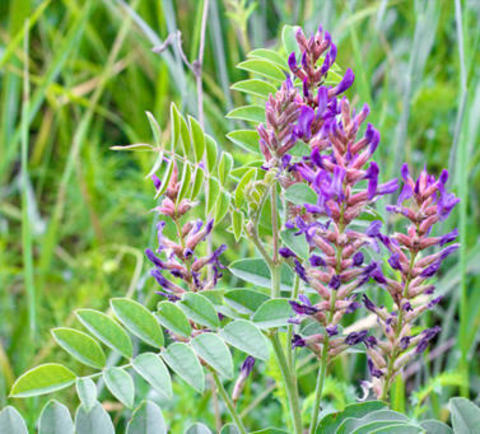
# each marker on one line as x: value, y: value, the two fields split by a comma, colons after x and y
x: 138, y: 320
x: 154, y: 372
x: 11, y: 421
x: 55, y: 419
x: 183, y: 361
x: 250, y: 113
x: 147, y: 419
x: 263, y: 67
x: 465, y: 415
x: 120, y: 384
x: 255, y: 270
x: 297, y: 243
x: 212, y: 349
x: 198, y: 138
x: 87, y: 392
x: 245, y: 336
x: 200, y: 310
x: 107, y: 330
x: 156, y: 131
x: 94, y: 421
x: 46, y: 378
x: 273, y: 313
x: 300, y: 194
x: 81, y: 346
x: 246, y: 139
x: 173, y: 318
x: 255, y: 87
x: 245, y: 300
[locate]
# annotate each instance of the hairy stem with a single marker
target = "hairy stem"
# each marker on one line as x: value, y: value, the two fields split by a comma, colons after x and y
x: 228, y: 402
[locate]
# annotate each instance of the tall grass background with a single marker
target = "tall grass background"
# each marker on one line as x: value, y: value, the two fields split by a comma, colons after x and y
x: 76, y: 77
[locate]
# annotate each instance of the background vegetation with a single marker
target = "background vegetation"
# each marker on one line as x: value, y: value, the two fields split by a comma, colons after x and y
x: 92, y: 76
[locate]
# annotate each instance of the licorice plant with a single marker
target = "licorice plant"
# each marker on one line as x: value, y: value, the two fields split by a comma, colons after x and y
x: 311, y: 207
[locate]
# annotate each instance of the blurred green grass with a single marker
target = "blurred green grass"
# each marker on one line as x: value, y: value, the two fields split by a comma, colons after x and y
x: 84, y: 209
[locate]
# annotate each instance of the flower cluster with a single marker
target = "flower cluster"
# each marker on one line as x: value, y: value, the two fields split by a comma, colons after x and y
x: 423, y: 203
x: 180, y: 260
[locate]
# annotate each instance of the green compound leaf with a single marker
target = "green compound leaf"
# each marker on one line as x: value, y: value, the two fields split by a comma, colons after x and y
x: 151, y: 368
x: 87, y: 392
x: 121, y: 385
x: 138, y: 320
x: 183, y: 361
x: 107, y: 330
x: 55, y: 419
x: 81, y: 346
x: 213, y: 350
x: 94, y: 421
x: 200, y: 310
x: 147, y: 419
x: 11, y: 422
x: 245, y: 336
x: 46, y: 378
x: 273, y: 313
x: 173, y: 318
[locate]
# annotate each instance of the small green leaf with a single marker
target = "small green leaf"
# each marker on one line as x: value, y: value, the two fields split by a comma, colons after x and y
x: 151, y: 368
x: 197, y: 428
x: 185, y: 136
x: 87, y: 392
x: 198, y: 138
x: 250, y: 113
x: 175, y: 124
x: 212, y: 194
x: 147, y: 419
x: 297, y: 243
x: 255, y: 87
x: 224, y: 167
x: 42, y: 379
x: 263, y: 67
x: 157, y: 132
x: 246, y: 139
x: 245, y: 300
x: 138, y: 320
x: 435, y: 427
x: 200, y: 310
x: 245, y: 336
x: 255, y: 270
x: 212, y: 349
x: 55, y: 419
x: 465, y: 416
x: 273, y: 313
x: 289, y: 40
x: 184, y: 182
x: 212, y: 153
x: 237, y: 224
x: 121, y: 385
x: 183, y: 361
x: 107, y: 330
x: 271, y: 55
x: 81, y: 346
x: 300, y: 194
x: 11, y: 421
x: 240, y: 189
x: 166, y: 178
x: 197, y: 182
x: 221, y: 208
x: 172, y: 318
x: 94, y: 421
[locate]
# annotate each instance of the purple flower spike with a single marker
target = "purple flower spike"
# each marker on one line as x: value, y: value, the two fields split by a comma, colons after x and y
x: 164, y: 283
x: 247, y: 366
x: 286, y: 252
x: 298, y: 341
x: 356, y: 337
x: 302, y: 309
x: 346, y: 82
x: 317, y: 261
x: 448, y: 251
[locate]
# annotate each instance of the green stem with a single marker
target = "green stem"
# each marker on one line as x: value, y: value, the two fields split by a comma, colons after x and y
x: 290, y: 351
x: 231, y: 408
x: 290, y: 384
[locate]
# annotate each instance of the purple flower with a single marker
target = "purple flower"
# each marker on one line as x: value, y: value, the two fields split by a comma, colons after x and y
x: 427, y: 336
x: 405, y: 194
x: 373, y: 370
x: 304, y: 299
x: 247, y: 366
x: 374, y: 228
x: 447, y: 238
x: 446, y: 203
x: 407, y: 307
x: 352, y: 307
x: 377, y: 275
x: 432, y: 303
x: 335, y: 282
x: 372, y: 176
x: 405, y: 342
x: 317, y: 261
x: 358, y: 259
x: 302, y: 309
x: 394, y: 261
x: 370, y: 341
x: 356, y: 337
x: 322, y: 99
x: 161, y: 280
x: 292, y: 62
x: 156, y: 181
x: 300, y: 270
x: 305, y: 119
x: 153, y: 258
x: 430, y: 270
x: 448, y: 251
x: 369, y: 303
x: 345, y: 83
x: 298, y: 341
x: 285, y: 252
x: 332, y: 330
x: 373, y: 137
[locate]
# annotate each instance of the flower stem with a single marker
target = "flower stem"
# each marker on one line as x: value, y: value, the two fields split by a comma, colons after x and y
x: 290, y: 384
x: 290, y: 351
x: 231, y: 408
